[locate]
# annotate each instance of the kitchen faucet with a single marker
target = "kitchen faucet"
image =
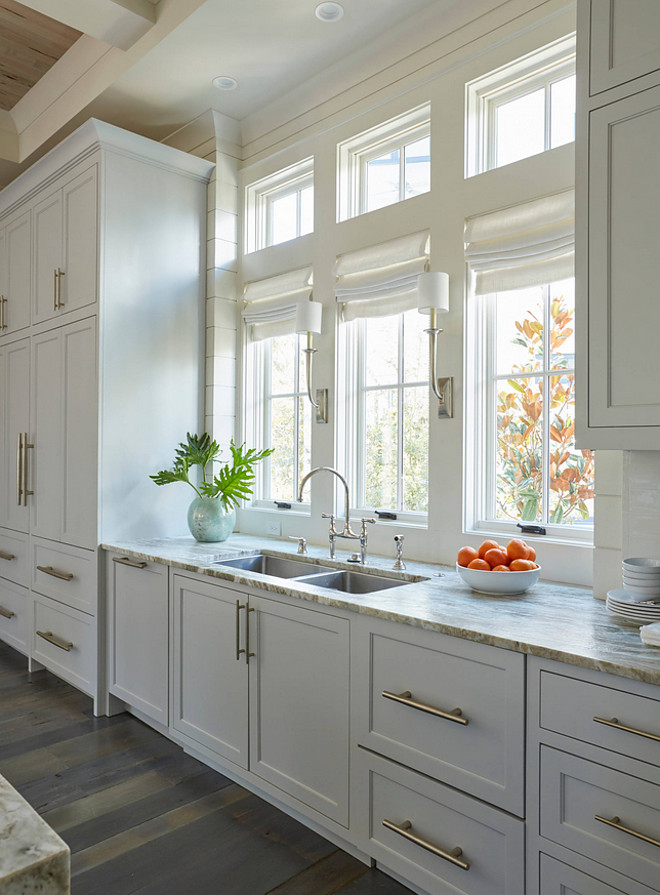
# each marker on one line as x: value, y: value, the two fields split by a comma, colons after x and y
x: 346, y: 532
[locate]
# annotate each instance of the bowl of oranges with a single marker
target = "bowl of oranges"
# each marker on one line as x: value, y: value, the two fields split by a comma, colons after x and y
x: 497, y: 570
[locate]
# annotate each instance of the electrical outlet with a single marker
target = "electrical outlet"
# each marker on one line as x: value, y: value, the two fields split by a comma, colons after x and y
x: 274, y: 527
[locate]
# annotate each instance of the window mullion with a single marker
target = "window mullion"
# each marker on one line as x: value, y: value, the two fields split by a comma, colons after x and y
x: 545, y: 479
x: 399, y: 413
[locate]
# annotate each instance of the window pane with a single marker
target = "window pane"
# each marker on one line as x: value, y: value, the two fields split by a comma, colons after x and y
x: 519, y: 331
x: 283, y: 218
x: 284, y: 353
x: 304, y: 437
x: 562, y: 325
x: 381, y: 336
x: 571, y: 471
x: 282, y: 435
x: 519, y: 464
x: 520, y: 127
x: 381, y: 449
x: 417, y: 172
x: 415, y: 449
x: 562, y: 112
x: 306, y: 210
x: 382, y: 181
x: 415, y: 347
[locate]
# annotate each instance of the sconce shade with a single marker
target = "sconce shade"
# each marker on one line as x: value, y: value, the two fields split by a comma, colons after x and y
x: 433, y: 292
x: 308, y: 316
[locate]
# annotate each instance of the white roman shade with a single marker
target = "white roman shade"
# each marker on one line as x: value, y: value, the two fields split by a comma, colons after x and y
x: 381, y: 280
x: 525, y: 245
x: 269, y: 307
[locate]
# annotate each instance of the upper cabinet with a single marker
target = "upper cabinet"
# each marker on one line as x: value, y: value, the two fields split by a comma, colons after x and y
x: 625, y: 42
x: 617, y: 225
x: 15, y: 273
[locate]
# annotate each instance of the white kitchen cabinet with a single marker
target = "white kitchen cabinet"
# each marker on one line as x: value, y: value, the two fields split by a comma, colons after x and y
x: 66, y: 247
x: 14, y: 424
x: 625, y: 42
x: 138, y: 635
x: 15, y: 273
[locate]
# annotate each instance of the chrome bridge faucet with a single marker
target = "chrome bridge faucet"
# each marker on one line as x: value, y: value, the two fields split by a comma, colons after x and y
x: 347, y: 531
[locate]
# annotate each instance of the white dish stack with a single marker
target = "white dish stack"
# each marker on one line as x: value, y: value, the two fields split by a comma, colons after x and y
x: 639, y: 601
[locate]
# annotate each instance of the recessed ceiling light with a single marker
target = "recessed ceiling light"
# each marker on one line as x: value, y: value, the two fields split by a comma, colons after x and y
x: 329, y: 12
x: 225, y: 83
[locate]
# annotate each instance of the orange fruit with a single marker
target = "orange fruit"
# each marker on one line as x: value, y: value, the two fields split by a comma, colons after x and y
x: 501, y: 569
x: 480, y: 564
x: 466, y: 555
x: 532, y: 553
x: 496, y: 557
x: 486, y: 546
x: 517, y: 549
x: 522, y: 565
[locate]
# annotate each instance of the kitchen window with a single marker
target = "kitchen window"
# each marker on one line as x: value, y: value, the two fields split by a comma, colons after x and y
x: 280, y: 207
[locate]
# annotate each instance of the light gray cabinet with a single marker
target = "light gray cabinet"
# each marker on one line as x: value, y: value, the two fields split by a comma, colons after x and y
x: 14, y: 424
x: 625, y: 42
x: 15, y: 272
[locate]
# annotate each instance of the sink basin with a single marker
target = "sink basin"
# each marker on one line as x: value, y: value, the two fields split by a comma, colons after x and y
x: 275, y: 566
x: 352, y: 582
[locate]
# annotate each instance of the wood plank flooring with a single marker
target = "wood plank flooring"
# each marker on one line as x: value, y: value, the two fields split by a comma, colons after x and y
x: 143, y: 818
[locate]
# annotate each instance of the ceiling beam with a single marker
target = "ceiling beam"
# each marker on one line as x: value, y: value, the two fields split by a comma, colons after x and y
x: 119, y: 23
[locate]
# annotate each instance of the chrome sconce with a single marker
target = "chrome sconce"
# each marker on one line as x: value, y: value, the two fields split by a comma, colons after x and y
x: 308, y: 322
x: 433, y: 299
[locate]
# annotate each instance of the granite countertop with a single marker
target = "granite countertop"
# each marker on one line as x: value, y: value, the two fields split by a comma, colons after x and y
x: 554, y: 621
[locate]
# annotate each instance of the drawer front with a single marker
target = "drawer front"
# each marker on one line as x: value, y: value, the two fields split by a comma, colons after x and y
x: 13, y: 615
x: 570, y: 707
x: 560, y: 879
x: 67, y: 574
x: 575, y: 792
x: 402, y: 804
x: 484, y: 756
x: 14, y: 562
x: 65, y: 642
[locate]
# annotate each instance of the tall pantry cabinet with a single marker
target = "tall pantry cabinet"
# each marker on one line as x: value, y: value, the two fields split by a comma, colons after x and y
x: 102, y: 279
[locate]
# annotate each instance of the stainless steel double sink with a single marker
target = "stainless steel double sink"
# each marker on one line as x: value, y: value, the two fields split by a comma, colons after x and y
x: 346, y: 581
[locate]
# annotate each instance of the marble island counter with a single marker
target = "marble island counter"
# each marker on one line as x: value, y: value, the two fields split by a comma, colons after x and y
x: 552, y: 621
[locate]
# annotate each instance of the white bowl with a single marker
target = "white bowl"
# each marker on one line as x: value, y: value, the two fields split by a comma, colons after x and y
x: 641, y: 593
x: 499, y: 583
x: 642, y: 577
x: 642, y: 564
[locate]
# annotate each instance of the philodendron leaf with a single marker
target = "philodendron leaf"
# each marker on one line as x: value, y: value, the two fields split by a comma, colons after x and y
x: 234, y: 481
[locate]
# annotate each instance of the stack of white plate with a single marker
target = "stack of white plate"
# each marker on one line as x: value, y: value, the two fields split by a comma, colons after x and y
x: 639, y: 601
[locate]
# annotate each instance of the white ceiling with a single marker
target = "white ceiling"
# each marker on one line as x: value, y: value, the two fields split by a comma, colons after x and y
x: 159, y: 79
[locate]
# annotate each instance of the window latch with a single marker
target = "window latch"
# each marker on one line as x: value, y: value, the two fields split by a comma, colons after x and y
x: 384, y: 514
x: 531, y: 529
x: 282, y: 504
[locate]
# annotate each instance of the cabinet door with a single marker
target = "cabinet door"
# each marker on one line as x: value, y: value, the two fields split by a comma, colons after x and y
x: 209, y: 676
x: 625, y: 41
x: 64, y: 433
x: 47, y: 256
x: 17, y: 275
x: 624, y: 270
x: 299, y: 704
x: 138, y: 634
x: 15, y: 420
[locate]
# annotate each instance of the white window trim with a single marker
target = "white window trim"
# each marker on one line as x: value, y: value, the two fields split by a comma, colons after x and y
x: 260, y: 195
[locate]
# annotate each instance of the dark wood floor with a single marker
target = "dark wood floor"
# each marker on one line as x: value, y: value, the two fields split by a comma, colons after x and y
x: 140, y: 816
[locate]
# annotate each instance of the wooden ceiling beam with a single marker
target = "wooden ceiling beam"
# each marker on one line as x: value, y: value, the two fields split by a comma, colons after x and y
x: 117, y: 22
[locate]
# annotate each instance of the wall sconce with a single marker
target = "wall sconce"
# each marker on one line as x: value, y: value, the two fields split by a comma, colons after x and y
x: 433, y: 299
x: 308, y: 321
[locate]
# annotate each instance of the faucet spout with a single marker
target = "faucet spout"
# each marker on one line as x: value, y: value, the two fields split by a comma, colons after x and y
x: 346, y: 533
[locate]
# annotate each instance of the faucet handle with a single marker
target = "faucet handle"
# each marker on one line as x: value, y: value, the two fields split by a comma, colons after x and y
x: 399, y: 564
x: 365, y: 522
x: 302, y: 543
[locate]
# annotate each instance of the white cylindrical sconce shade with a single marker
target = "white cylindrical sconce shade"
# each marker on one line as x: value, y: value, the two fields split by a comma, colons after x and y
x: 433, y: 292
x: 308, y: 317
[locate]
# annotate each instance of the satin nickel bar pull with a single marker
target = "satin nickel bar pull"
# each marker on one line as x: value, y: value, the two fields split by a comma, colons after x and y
x: 614, y: 722
x: 6, y: 613
x: 248, y: 654
x: 26, y: 445
x: 406, y: 698
x: 51, y: 638
x: 239, y: 606
x: 63, y: 576
x: 8, y: 556
x: 19, y: 469
x: 3, y: 320
x: 55, y: 290
x: 452, y: 856
x: 616, y: 823
x: 133, y: 563
x: 60, y: 274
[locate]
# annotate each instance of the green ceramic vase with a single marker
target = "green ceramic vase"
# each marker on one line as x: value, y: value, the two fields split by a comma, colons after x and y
x: 208, y: 520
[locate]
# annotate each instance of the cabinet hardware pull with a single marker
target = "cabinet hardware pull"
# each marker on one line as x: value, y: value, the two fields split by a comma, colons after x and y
x: 3, y: 321
x: 133, y: 563
x: 8, y: 556
x: 51, y: 638
x: 6, y: 613
x: 614, y: 722
x: 54, y: 290
x: 63, y: 576
x: 19, y: 469
x: 26, y: 446
x: 60, y: 274
x: 406, y: 698
x: 239, y: 606
x: 452, y: 856
x: 616, y: 823
x: 248, y: 654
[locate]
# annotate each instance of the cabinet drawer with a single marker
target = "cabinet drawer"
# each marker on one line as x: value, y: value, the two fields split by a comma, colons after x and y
x: 491, y: 842
x: 65, y: 573
x: 13, y: 615
x: 484, y: 756
x: 571, y: 707
x: 65, y: 642
x: 558, y: 878
x: 575, y: 792
x: 14, y: 557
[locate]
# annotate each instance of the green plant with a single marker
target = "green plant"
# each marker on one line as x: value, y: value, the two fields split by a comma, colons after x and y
x: 234, y: 480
